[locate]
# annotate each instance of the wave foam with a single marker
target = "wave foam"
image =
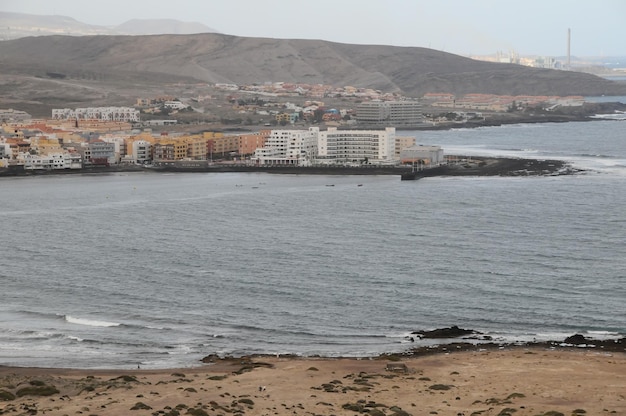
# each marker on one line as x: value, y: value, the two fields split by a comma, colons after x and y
x: 89, y: 322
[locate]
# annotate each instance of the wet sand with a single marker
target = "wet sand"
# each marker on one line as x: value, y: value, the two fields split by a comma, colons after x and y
x: 516, y: 381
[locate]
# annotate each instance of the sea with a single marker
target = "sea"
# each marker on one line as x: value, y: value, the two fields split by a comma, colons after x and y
x: 159, y: 270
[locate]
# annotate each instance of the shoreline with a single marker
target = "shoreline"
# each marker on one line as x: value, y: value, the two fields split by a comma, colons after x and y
x: 523, y: 380
x: 249, y: 362
x: 464, y: 166
x: 450, y: 341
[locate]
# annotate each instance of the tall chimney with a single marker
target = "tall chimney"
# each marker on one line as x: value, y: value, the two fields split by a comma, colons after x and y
x: 569, y: 56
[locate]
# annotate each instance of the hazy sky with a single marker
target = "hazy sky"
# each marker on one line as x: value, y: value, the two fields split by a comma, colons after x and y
x: 465, y: 27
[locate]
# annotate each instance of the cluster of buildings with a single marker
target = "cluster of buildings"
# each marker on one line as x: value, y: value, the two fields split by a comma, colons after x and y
x: 333, y: 147
x: 7, y: 115
x: 512, y: 57
x: 123, y: 114
x: 288, y: 89
x: 59, y: 144
x: 373, y: 114
x: 161, y: 105
x: 499, y: 103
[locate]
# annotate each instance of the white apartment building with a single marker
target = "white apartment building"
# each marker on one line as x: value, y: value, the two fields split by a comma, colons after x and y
x: 288, y: 147
x: 174, y: 105
x: 7, y: 115
x: 389, y: 113
x: 123, y: 114
x: 5, y: 150
x: 357, y: 146
x: 52, y: 161
x: 120, y: 145
x: 98, y: 152
x: 142, y: 152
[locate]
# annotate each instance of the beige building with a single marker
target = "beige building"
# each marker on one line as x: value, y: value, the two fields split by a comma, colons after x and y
x: 402, y: 142
x: 422, y: 155
x: 45, y: 145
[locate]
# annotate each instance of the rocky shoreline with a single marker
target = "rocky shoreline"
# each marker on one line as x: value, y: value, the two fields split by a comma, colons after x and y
x: 463, y: 340
x: 474, y: 341
x: 462, y: 166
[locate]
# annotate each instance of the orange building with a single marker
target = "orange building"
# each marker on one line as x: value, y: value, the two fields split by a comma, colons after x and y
x: 248, y: 143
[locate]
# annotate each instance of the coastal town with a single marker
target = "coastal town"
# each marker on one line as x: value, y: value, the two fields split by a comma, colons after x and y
x: 287, y: 124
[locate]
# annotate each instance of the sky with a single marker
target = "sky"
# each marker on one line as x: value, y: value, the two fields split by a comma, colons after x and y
x: 464, y: 27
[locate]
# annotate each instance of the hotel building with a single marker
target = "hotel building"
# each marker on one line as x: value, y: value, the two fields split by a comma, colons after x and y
x: 357, y: 146
x: 389, y: 113
x: 288, y: 147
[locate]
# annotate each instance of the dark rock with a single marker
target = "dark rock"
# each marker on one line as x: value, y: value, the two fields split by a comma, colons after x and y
x: 452, y: 332
x: 140, y: 406
x: 577, y: 339
x: 613, y: 345
x: 211, y: 358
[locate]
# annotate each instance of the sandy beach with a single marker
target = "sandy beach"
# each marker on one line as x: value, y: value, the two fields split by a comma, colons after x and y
x: 518, y: 381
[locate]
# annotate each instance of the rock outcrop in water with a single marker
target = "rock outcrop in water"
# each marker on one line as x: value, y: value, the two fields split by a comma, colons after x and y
x: 451, y: 332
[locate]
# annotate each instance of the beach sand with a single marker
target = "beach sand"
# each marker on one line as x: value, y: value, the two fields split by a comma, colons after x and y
x: 523, y: 381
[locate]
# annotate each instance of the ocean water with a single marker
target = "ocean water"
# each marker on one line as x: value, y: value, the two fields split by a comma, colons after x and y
x: 159, y: 270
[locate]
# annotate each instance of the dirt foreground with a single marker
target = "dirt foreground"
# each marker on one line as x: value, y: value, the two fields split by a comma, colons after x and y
x: 528, y: 381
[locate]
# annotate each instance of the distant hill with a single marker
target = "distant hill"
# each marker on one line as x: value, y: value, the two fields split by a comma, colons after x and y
x: 212, y: 58
x: 161, y: 26
x: 19, y: 25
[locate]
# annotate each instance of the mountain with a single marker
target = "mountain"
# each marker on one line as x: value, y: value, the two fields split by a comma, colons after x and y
x: 19, y: 25
x: 213, y: 58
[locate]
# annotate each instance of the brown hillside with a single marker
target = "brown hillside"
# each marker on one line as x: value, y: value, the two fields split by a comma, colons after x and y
x: 214, y: 57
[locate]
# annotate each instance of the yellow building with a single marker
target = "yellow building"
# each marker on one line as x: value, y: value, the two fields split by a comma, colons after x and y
x: 196, y: 147
x: 212, y: 135
x: 283, y: 117
x: 45, y: 145
x: 145, y: 136
x: 170, y: 150
x: 98, y: 126
x: 69, y: 137
x: 225, y: 144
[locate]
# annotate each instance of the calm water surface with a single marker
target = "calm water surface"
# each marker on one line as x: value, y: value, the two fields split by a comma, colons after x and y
x: 163, y: 269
